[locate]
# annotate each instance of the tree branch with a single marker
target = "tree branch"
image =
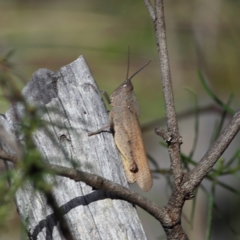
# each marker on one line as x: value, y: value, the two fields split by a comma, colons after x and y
x: 176, y: 141
x: 183, y: 185
x: 101, y: 183
x: 160, y: 32
x: 197, y: 174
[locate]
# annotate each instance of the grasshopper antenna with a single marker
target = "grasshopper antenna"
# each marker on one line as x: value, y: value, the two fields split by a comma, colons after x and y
x: 140, y: 69
x: 128, y: 61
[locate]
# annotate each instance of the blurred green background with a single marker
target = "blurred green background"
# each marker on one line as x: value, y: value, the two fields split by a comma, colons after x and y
x: 51, y: 34
x: 201, y: 34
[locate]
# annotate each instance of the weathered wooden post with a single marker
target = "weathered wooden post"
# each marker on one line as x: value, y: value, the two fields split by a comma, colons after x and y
x: 73, y: 108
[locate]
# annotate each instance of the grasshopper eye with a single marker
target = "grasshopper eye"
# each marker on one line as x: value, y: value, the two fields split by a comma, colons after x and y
x: 127, y: 85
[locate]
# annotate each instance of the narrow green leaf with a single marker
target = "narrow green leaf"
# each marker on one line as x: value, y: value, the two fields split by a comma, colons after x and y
x: 196, y: 126
x: 9, y: 54
x: 212, y: 95
x: 210, y: 211
x: 153, y: 161
x: 213, y: 138
x: 237, y: 174
x: 224, y: 185
x: 220, y: 166
x: 233, y: 158
x: 187, y: 159
x: 231, y: 171
x: 223, y: 117
x: 224, y: 114
x: 225, y: 220
x: 218, y: 211
x: 193, y: 208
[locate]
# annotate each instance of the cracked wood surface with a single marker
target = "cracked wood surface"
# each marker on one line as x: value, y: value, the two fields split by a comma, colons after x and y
x: 71, y: 107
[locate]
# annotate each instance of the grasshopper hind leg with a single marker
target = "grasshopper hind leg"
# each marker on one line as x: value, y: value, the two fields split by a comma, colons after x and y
x: 130, y: 166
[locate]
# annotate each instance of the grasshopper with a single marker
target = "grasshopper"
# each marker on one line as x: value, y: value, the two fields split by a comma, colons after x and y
x: 127, y: 133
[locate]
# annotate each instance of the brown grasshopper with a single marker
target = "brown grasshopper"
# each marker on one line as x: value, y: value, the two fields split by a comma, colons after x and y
x: 127, y: 133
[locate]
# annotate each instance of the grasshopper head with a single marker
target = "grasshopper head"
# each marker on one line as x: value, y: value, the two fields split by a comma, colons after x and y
x: 122, y: 92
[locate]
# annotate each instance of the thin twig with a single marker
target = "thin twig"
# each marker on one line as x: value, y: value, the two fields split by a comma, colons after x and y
x: 150, y: 9
x: 212, y: 108
x: 177, y: 198
x: 172, y: 125
x: 165, y: 68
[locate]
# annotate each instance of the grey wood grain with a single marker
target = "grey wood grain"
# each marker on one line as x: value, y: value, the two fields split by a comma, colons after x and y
x: 71, y: 106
